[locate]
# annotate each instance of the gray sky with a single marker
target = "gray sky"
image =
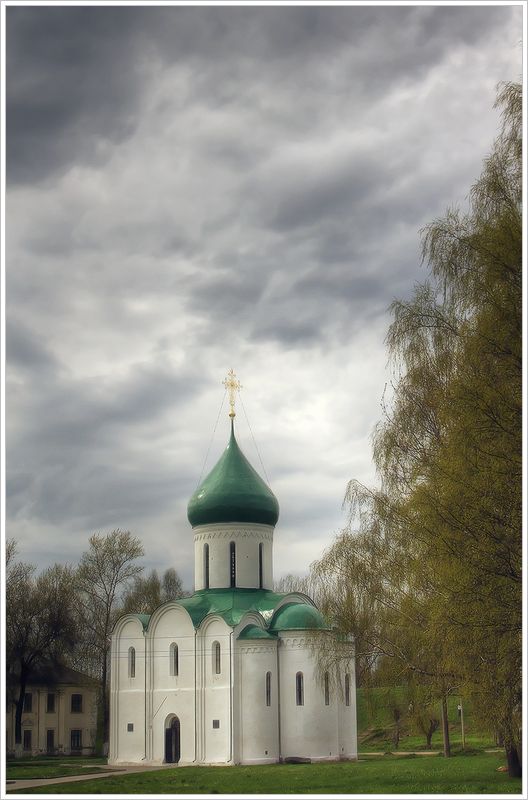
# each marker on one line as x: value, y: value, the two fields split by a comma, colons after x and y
x: 192, y: 189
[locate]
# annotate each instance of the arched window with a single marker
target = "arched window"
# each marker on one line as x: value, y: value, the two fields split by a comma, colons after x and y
x: 268, y: 688
x: 131, y: 662
x: 347, y: 689
x: 261, y: 565
x: 173, y: 659
x: 326, y: 689
x: 232, y: 563
x: 217, y: 664
x: 299, y: 689
x: 206, y: 565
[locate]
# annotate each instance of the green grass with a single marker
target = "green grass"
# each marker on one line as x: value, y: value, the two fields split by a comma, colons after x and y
x: 375, y: 724
x: 52, y: 767
x: 475, y: 774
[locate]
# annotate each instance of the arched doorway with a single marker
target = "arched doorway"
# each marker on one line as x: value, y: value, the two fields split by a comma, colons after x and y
x: 172, y: 740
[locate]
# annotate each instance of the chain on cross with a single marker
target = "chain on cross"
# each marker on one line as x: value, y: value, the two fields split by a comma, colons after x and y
x: 232, y: 385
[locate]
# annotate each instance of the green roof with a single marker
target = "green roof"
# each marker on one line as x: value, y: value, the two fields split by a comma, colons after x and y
x: 233, y: 492
x: 254, y: 632
x: 297, y: 616
x: 230, y: 604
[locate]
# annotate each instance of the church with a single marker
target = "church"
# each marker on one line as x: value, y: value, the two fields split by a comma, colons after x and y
x: 229, y: 675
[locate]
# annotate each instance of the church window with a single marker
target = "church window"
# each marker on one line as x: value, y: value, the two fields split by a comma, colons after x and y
x: 130, y: 727
x: 268, y: 688
x: 173, y: 657
x: 28, y: 702
x: 131, y: 662
x: 27, y: 740
x: 50, y: 703
x: 299, y: 689
x: 76, y: 703
x: 216, y: 658
x: 206, y: 565
x: 216, y: 723
x: 326, y: 689
x: 232, y: 563
x: 261, y: 553
x: 347, y: 689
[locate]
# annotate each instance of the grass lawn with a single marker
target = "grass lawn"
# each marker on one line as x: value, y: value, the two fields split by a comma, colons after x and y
x: 476, y: 774
x: 59, y: 767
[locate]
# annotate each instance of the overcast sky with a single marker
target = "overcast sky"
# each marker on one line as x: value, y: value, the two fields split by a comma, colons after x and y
x: 192, y: 189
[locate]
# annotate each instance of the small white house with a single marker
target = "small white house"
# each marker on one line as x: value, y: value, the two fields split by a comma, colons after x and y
x: 228, y: 675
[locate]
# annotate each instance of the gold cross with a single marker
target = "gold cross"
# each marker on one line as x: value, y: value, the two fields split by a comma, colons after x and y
x: 233, y: 385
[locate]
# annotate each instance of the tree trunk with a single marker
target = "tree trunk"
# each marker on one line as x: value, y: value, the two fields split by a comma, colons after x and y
x: 429, y: 736
x: 445, y: 727
x: 19, y: 708
x: 104, y: 701
x: 514, y: 762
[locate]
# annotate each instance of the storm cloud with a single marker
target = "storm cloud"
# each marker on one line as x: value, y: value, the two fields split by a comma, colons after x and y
x: 197, y: 188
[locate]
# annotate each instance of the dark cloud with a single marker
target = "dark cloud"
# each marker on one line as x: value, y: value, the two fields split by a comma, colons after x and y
x: 196, y: 188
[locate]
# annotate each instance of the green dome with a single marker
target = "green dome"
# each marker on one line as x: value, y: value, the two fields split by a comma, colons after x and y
x: 233, y: 492
x: 297, y: 616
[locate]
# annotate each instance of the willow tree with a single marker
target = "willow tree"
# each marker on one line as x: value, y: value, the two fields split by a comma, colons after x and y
x: 439, y: 545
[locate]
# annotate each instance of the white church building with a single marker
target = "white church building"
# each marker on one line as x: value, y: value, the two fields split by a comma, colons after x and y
x: 229, y: 675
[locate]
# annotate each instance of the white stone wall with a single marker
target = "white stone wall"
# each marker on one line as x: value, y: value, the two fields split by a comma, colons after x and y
x: 309, y: 730
x: 257, y: 725
x: 247, y: 537
x: 215, y: 695
x: 171, y: 695
x: 127, y: 694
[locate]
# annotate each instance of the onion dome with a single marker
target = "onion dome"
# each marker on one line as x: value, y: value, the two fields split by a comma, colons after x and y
x: 233, y: 492
x: 298, y: 617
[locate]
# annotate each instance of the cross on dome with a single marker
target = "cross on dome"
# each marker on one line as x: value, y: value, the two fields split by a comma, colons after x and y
x: 232, y: 385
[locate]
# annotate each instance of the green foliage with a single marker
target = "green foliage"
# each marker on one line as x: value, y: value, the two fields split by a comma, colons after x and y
x: 428, y: 575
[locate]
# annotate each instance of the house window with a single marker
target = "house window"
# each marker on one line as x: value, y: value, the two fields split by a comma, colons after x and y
x: 326, y: 689
x: 28, y: 702
x: 347, y: 689
x: 50, y: 741
x: 76, y: 740
x: 26, y: 740
x: 216, y: 723
x: 216, y: 658
x: 131, y: 662
x: 268, y: 688
x: 76, y: 703
x: 232, y: 561
x: 173, y: 659
x: 130, y: 727
x: 50, y: 703
x: 299, y: 689
x: 261, y: 554
x: 206, y: 565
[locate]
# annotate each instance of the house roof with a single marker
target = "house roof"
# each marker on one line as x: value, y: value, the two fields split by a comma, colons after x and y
x: 50, y: 674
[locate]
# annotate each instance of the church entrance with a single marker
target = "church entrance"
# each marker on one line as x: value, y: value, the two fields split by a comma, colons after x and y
x: 172, y: 740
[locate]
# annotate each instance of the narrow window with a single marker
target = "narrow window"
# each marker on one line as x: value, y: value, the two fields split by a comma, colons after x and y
x: 173, y: 659
x: 326, y: 689
x: 299, y: 689
x: 268, y: 688
x: 206, y: 565
x: 131, y: 662
x: 50, y: 741
x: 28, y: 702
x: 27, y: 740
x: 76, y: 703
x: 76, y: 740
x: 261, y: 552
x: 347, y: 689
x: 232, y: 559
x: 216, y: 658
x: 50, y: 704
